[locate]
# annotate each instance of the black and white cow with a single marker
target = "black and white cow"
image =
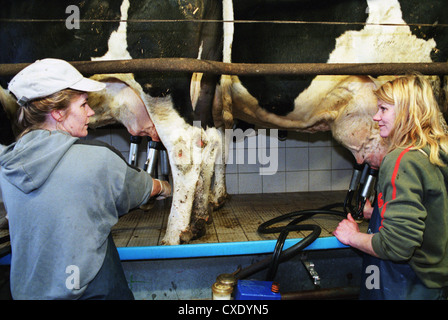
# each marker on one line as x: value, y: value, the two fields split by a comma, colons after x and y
x: 342, y: 104
x: 173, y: 107
x: 349, y: 31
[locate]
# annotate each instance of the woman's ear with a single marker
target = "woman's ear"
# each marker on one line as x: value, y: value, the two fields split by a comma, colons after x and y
x: 57, y: 115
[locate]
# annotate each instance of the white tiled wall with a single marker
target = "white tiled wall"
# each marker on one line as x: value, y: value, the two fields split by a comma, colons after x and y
x: 306, y: 162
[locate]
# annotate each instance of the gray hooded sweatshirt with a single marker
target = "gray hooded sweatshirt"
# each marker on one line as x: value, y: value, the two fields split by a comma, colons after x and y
x: 62, y: 196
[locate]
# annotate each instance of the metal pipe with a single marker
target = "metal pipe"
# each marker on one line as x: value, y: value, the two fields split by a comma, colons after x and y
x: 341, y: 293
x: 191, y: 65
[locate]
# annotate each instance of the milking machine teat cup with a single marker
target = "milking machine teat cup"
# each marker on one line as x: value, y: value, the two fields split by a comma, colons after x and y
x: 133, y: 150
x: 156, y: 157
x: 362, y: 186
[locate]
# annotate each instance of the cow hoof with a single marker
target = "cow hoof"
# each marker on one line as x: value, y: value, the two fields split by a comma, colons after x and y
x: 169, y: 242
x: 199, y: 229
x: 186, y: 236
x: 221, y: 202
x: 209, y: 219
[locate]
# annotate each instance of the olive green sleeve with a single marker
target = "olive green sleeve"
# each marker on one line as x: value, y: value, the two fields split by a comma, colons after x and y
x: 400, y: 205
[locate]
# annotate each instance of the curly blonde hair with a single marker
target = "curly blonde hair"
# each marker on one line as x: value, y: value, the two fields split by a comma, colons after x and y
x: 419, y: 121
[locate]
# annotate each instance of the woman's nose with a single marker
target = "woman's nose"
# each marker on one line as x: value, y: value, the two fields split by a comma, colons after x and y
x: 377, y: 117
x: 90, y: 111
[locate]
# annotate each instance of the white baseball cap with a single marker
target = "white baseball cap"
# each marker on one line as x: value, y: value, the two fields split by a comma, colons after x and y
x: 47, y: 76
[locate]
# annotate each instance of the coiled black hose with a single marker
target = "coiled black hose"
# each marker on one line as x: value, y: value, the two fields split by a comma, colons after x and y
x: 278, y: 255
x: 363, y: 179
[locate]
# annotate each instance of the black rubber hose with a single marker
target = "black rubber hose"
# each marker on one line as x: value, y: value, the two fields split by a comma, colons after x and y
x: 278, y: 255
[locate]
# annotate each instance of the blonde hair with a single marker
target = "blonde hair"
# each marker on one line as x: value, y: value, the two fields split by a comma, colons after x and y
x: 418, y: 120
x: 33, y: 114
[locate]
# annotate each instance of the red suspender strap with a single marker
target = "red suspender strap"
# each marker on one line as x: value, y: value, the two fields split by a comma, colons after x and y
x: 394, y: 188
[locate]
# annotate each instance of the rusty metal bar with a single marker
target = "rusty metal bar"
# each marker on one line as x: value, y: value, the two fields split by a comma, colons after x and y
x: 342, y: 293
x: 216, y: 67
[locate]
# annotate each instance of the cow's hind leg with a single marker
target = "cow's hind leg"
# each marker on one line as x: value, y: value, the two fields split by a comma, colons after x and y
x: 219, y: 195
x: 202, y: 205
x: 186, y: 169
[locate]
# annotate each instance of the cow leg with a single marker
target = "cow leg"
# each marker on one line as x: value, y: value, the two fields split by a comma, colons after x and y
x: 203, y: 200
x: 178, y: 230
x: 219, y: 194
x: 184, y: 153
x: 219, y: 191
x: 224, y: 113
x: 183, y: 144
x: 201, y: 210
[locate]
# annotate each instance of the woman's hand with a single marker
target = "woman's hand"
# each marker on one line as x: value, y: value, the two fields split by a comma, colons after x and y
x: 348, y: 233
x: 160, y: 189
x: 346, y: 230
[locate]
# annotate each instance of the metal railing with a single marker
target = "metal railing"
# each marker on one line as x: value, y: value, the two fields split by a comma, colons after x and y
x: 191, y: 65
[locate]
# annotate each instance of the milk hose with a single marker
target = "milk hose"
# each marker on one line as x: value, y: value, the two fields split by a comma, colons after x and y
x: 278, y: 255
x: 362, y: 183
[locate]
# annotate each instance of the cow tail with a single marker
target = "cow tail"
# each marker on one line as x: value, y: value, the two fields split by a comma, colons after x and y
x: 226, y: 80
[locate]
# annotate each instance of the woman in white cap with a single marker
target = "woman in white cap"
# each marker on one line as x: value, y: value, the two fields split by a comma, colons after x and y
x: 63, y: 194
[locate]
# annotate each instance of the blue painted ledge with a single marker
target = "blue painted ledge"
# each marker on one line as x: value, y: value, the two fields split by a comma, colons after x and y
x: 211, y: 249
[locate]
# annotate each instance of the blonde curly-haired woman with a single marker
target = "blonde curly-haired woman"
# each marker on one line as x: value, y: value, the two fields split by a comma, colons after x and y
x: 406, y: 247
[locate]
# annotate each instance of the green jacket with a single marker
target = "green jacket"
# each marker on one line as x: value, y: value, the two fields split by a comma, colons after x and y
x: 413, y: 203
